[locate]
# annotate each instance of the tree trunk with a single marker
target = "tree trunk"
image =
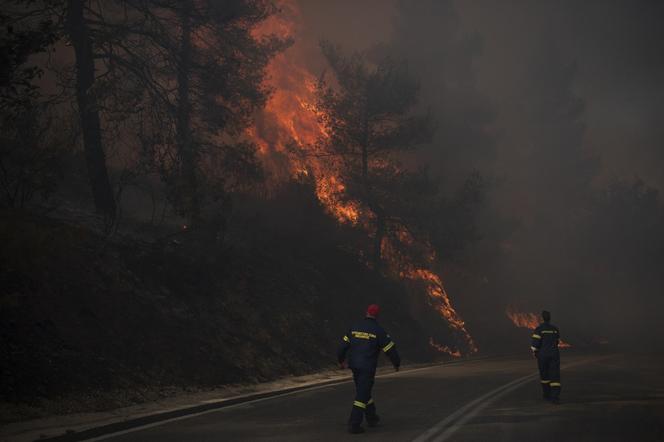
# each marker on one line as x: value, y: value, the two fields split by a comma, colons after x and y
x: 378, y: 239
x: 88, y: 111
x: 185, y: 146
x: 369, y: 198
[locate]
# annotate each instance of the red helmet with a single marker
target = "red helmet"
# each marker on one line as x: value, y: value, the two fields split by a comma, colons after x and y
x: 373, y: 310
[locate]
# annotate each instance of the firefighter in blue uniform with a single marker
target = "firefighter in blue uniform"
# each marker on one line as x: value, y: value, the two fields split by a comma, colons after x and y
x: 365, y: 341
x: 544, y: 344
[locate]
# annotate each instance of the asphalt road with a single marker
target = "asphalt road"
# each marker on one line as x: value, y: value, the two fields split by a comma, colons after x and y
x: 615, y: 397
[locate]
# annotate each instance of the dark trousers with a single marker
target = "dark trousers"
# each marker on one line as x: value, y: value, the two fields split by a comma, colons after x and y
x: 549, y: 369
x: 363, y: 404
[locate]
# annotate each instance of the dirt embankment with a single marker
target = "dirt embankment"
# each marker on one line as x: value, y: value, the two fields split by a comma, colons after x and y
x: 90, y: 323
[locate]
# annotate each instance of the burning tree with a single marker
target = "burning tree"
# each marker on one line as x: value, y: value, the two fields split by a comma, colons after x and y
x: 202, y: 70
x: 367, y: 116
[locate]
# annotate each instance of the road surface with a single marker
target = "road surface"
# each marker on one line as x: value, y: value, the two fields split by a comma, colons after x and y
x: 615, y: 397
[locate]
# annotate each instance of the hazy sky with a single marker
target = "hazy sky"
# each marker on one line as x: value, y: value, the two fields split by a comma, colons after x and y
x: 618, y: 46
x: 556, y: 93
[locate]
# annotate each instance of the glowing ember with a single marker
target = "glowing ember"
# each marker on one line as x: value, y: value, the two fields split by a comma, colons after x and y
x: 529, y: 321
x: 444, y: 349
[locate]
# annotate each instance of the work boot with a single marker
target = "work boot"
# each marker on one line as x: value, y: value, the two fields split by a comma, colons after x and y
x: 373, y: 420
x: 355, y: 429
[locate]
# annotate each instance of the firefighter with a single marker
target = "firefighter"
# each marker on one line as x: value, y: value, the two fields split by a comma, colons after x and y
x: 365, y: 341
x: 544, y: 345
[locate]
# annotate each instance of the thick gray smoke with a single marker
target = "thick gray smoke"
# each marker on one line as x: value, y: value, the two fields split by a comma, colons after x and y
x: 557, y: 103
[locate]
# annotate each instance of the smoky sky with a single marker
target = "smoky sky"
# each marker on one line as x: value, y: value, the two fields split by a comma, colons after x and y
x: 547, y: 98
x: 617, y: 45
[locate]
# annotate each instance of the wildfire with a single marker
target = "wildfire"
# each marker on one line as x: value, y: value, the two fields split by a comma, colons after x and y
x: 523, y: 320
x: 287, y: 133
x: 444, y: 349
x: 529, y: 321
x: 288, y: 128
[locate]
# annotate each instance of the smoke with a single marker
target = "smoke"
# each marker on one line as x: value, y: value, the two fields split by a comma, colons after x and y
x: 551, y: 101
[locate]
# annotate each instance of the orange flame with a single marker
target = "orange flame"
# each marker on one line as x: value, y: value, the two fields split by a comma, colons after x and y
x: 529, y: 321
x: 287, y: 133
x: 523, y: 320
x: 444, y: 349
x: 440, y: 301
x: 289, y: 125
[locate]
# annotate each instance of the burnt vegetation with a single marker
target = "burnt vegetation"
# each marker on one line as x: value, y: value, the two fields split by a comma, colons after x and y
x: 159, y: 233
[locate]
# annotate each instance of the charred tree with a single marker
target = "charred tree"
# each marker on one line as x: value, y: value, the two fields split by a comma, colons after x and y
x: 185, y: 145
x: 88, y: 108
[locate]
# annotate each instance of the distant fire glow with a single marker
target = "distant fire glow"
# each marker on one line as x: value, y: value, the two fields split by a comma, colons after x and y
x: 529, y: 321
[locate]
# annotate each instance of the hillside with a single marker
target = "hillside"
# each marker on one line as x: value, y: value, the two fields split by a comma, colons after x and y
x: 91, y: 322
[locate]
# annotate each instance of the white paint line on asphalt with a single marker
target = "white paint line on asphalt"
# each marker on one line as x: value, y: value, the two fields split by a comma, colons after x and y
x: 449, y: 432
x: 471, y: 409
x: 469, y: 406
x: 254, y: 401
x: 214, y: 410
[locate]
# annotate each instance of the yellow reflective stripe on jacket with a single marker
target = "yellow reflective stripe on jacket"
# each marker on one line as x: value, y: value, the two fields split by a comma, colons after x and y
x: 536, y: 336
x: 370, y: 401
x: 545, y: 382
x: 360, y: 404
x: 555, y: 384
x: 346, y: 339
x: 388, y: 346
x: 363, y: 335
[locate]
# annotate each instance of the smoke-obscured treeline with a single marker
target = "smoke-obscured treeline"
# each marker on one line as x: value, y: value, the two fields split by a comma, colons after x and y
x: 451, y: 140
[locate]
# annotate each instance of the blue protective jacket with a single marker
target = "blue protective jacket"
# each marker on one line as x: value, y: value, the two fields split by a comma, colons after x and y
x: 363, y: 343
x: 544, y: 340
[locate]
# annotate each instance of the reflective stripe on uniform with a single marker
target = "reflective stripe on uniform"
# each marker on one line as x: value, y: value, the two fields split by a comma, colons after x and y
x: 363, y: 335
x: 533, y: 348
x: 548, y: 331
x: 370, y: 401
x: 359, y: 404
x: 555, y: 384
x: 545, y: 382
x: 388, y: 346
x: 537, y: 336
x: 346, y: 339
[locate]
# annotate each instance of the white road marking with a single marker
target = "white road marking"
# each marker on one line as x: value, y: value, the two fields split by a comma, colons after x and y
x: 442, y: 431
x: 469, y: 406
x: 214, y: 410
x: 255, y: 401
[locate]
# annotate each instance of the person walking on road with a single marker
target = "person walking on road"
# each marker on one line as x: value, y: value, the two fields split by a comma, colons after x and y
x: 365, y: 340
x: 544, y: 345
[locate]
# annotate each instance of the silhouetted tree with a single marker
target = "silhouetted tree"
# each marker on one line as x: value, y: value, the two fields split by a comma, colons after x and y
x: 81, y: 38
x: 19, y: 41
x: 368, y: 117
x: 202, y: 69
x: 75, y: 21
x: 30, y: 157
x: 31, y: 154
